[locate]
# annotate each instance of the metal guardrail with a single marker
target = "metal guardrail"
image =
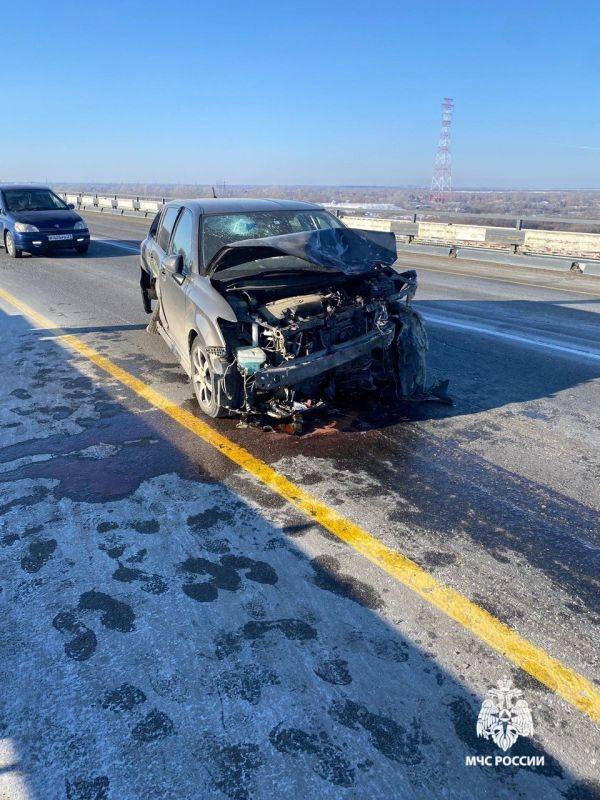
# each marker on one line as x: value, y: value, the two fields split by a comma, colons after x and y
x: 518, y: 221
x: 514, y: 221
x: 418, y: 229
x: 99, y: 202
x: 522, y: 241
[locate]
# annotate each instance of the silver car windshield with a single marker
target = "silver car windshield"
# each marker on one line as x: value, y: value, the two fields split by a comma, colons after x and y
x: 223, y: 229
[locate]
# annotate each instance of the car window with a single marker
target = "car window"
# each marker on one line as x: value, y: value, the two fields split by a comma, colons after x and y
x: 181, y: 243
x: 33, y: 200
x: 222, y: 229
x: 166, y: 226
x: 154, y: 226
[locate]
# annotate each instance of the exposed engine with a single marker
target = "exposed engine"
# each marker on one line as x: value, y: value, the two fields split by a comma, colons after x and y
x: 295, y: 353
x: 302, y: 325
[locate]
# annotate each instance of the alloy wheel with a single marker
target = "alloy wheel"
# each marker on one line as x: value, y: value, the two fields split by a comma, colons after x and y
x: 203, y: 379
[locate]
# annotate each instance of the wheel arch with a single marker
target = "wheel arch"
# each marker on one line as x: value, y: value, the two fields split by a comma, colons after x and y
x: 192, y: 334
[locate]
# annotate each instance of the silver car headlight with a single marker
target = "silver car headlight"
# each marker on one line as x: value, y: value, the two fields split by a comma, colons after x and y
x: 80, y: 226
x: 22, y: 227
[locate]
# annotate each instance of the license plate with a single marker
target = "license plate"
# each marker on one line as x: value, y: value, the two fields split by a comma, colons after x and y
x: 59, y: 237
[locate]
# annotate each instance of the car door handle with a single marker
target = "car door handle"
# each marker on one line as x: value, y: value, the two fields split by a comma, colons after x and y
x: 163, y: 271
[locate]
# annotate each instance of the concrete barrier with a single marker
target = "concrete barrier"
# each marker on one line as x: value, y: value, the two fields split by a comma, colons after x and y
x: 107, y: 202
x: 368, y: 223
x: 149, y: 205
x: 535, y: 242
x: 448, y: 233
x: 125, y: 203
x: 129, y: 205
x: 565, y: 243
x: 514, y: 239
x: 495, y: 237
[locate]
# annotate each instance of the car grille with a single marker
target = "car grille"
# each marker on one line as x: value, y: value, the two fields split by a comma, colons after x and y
x: 62, y: 228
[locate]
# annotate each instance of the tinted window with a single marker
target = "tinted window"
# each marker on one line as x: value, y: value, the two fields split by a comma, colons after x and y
x: 168, y: 220
x: 33, y: 200
x: 222, y: 229
x: 181, y: 243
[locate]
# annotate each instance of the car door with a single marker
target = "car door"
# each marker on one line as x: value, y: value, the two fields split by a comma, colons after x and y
x: 148, y: 250
x: 160, y: 247
x: 175, y: 270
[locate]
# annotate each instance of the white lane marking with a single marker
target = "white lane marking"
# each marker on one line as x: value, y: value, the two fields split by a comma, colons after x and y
x: 116, y: 244
x: 513, y: 337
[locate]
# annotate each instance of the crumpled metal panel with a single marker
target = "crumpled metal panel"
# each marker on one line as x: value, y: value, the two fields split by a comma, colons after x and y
x: 343, y: 250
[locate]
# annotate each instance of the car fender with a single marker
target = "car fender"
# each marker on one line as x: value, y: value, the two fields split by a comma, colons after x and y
x: 207, y: 306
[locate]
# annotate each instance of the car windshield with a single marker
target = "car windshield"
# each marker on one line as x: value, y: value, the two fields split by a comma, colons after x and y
x: 33, y: 200
x: 222, y: 229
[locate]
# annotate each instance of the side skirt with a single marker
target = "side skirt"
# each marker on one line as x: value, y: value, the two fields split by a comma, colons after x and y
x: 183, y: 360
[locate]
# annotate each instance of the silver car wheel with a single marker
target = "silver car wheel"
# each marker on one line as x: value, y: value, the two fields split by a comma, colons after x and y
x: 203, y: 379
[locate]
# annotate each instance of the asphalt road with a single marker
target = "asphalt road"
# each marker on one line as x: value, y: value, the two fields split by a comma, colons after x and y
x: 174, y: 629
x: 501, y: 256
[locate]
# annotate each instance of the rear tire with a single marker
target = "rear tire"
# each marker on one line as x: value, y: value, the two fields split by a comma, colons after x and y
x: 11, y: 248
x: 210, y: 389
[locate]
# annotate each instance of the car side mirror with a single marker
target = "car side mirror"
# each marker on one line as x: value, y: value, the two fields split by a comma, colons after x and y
x: 70, y: 206
x: 173, y: 262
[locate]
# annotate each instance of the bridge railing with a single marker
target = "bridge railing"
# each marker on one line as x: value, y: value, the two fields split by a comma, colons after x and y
x: 122, y: 205
x: 528, y: 241
x: 417, y: 228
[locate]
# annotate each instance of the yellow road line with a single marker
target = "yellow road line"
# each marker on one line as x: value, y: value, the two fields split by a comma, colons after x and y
x: 503, y: 280
x: 567, y: 683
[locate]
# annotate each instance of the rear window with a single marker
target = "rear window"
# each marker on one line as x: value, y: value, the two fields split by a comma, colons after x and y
x: 166, y: 227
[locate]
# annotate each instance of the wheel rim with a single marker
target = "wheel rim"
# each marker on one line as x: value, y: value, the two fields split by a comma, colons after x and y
x: 10, y: 245
x: 203, y: 379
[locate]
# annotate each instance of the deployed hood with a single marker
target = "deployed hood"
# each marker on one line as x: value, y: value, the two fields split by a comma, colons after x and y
x: 338, y: 250
x: 57, y: 218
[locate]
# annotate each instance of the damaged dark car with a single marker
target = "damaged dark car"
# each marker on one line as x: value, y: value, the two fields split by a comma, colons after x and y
x: 276, y: 308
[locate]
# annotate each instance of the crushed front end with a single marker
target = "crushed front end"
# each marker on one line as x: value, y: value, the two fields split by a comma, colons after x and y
x: 304, y: 336
x: 296, y: 353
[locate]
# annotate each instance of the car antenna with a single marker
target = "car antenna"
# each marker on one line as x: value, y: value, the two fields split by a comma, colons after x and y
x: 214, y: 193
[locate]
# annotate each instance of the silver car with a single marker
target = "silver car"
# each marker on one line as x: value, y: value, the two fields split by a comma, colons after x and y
x: 274, y: 307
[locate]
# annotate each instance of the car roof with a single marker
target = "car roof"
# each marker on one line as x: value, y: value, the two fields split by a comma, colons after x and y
x: 23, y: 186
x: 231, y: 205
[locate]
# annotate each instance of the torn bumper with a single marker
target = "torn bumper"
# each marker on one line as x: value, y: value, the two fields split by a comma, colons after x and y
x: 298, y: 370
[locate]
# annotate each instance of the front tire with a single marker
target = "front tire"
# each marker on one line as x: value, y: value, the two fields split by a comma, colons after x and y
x: 411, y: 353
x: 82, y: 248
x: 11, y: 248
x: 209, y: 388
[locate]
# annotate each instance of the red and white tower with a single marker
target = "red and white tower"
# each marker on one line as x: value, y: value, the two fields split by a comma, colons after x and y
x: 441, y: 183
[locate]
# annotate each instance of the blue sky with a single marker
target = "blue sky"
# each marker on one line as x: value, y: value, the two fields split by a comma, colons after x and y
x: 277, y: 91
